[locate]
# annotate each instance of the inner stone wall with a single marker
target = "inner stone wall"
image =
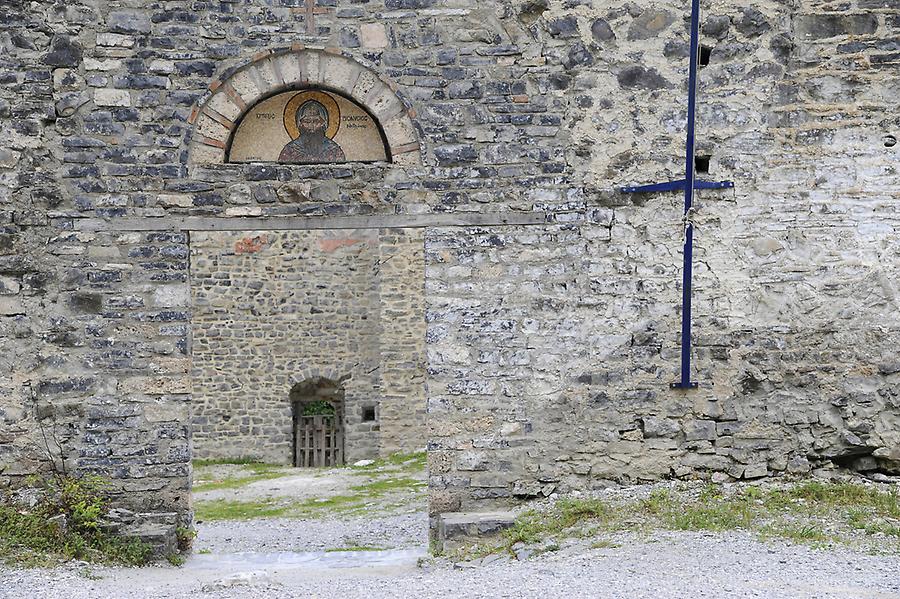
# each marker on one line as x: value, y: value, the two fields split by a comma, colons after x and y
x: 274, y: 309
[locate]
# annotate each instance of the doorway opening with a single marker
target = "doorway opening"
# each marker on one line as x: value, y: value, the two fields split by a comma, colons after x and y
x: 318, y: 423
x: 308, y: 375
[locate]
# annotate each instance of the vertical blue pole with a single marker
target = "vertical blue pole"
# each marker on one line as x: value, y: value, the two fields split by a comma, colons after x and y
x: 685, y: 382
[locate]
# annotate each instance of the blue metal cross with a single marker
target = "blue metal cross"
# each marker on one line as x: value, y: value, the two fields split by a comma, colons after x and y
x: 688, y: 184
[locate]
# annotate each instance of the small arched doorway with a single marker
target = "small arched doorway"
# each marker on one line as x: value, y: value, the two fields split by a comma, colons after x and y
x: 317, y: 406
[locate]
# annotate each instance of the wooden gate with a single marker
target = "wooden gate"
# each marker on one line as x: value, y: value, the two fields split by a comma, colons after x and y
x: 320, y: 442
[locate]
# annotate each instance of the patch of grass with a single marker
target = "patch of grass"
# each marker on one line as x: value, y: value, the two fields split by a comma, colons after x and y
x: 604, y: 544
x: 718, y: 516
x: 210, y: 511
x: 256, y: 471
x: 89, y: 574
x: 176, y: 559
x: 799, y: 533
x: 817, y: 495
x: 30, y: 540
x: 533, y: 526
x: 864, y: 520
x: 407, y: 462
x: 377, y: 488
x: 66, y: 524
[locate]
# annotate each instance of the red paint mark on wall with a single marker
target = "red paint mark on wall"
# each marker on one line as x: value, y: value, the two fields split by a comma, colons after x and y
x: 330, y: 245
x: 250, y: 245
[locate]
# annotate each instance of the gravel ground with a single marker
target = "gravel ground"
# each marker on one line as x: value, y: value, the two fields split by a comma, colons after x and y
x: 284, y: 558
x: 281, y: 534
x: 296, y: 484
x: 669, y: 565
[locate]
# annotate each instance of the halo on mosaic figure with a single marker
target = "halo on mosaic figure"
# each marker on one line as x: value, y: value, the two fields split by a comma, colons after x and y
x: 297, y: 102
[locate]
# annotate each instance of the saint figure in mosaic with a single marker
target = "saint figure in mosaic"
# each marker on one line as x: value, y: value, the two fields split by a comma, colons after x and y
x: 312, y: 119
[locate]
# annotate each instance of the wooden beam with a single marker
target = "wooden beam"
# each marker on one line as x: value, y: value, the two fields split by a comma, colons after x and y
x: 295, y: 223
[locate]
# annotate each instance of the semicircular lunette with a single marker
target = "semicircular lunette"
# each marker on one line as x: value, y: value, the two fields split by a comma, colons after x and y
x: 250, y: 113
x: 309, y: 126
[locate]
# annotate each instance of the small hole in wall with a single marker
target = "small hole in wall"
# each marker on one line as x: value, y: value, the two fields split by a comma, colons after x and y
x: 890, y: 141
x: 703, y: 55
x: 701, y: 163
x: 368, y: 414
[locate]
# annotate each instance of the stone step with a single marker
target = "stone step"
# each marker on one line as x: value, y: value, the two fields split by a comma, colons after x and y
x: 456, y: 529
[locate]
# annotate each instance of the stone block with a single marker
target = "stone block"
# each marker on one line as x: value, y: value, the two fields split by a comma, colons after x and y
x: 264, y: 77
x: 115, y: 40
x: 471, y: 460
x: 653, y: 426
x: 822, y: 26
x: 64, y: 52
x: 162, y: 537
x: 223, y: 104
x: 340, y: 73
x: 650, y: 23
x: 109, y: 64
x: 9, y: 286
x: 207, y: 127
x: 246, y: 87
x: 127, y: 21
x: 456, y: 529
x: 700, y: 430
x: 757, y: 470
x: 172, y: 296
x: 8, y: 158
x: 288, y: 68
x: 11, y: 306
x: 204, y: 154
x: 175, y: 200
x: 155, y: 385
x: 309, y: 66
x: 112, y: 97
x: 373, y: 35
x: 400, y: 131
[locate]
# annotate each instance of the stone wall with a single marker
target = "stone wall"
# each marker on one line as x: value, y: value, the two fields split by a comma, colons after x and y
x: 550, y: 348
x: 273, y: 309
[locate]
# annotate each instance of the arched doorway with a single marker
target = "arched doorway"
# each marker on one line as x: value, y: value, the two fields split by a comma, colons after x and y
x: 317, y: 406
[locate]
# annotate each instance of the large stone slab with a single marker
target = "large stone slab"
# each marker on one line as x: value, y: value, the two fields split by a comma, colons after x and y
x: 456, y: 529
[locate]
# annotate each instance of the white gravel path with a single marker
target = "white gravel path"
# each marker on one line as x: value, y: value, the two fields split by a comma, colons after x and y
x: 669, y: 565
x: 281, y: 534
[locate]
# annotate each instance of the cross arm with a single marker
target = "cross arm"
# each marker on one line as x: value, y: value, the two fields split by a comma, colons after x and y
x: 678, y: 185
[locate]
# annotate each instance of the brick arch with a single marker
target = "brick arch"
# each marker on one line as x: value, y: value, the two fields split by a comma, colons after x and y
x: 237, y: 90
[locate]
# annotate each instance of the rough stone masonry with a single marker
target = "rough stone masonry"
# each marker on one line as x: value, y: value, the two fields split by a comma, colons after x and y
x: 550, y: 344
x: 275, y: 310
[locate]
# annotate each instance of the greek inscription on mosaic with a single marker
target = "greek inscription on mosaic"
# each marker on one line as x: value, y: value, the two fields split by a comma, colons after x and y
x: 307, y: 127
